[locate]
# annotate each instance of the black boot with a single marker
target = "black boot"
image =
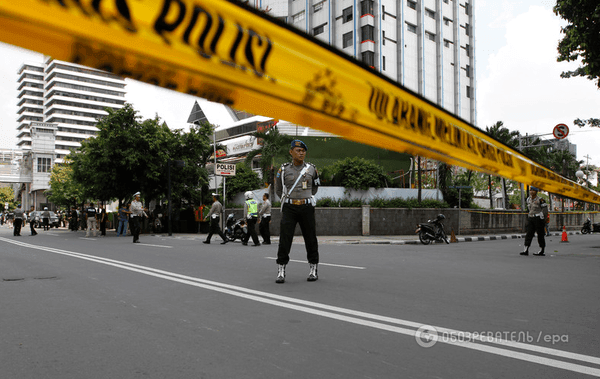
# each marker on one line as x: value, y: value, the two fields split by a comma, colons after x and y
x: 540, y: 253
x: 526, y: 252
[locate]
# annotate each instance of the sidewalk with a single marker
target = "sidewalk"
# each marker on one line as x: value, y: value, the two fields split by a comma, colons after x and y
x: 370, y: 240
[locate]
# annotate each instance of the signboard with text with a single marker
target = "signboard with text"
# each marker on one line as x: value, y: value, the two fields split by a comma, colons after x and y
x: 225, y: 169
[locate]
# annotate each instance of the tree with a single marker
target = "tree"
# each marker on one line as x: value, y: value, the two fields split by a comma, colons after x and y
x: 244, y: 180
x: 581, y: 42
x: 581, y: 37
x: 358, y: 173
x: 509, y: 138
x: 130, y: 155
x: 7, y: 195
x: 64, y: 190
x: 273, y: 145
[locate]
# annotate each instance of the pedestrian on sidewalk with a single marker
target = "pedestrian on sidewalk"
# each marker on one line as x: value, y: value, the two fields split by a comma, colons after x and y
x: 264, y: 220
x: 215, y: 220
x: 103, y: 218
x: 251, y: 217
x: 91, y: 218
x: 296, y: 184
x: 123, y: 219
x: 536, y: 221
x: 31, y: 217
x: 137, y: 212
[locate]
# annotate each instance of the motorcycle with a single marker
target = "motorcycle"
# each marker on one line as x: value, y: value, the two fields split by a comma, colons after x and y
x: 235, y: 229
x: 432, y: 230
x: 157, y: 227
x: 588, y: 227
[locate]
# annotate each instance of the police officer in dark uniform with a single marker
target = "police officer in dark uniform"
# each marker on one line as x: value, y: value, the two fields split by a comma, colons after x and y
x: 215, y: 220
x: 296, y: 184
x: 536, y: 221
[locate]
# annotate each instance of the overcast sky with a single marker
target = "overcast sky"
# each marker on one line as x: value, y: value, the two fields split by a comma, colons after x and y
x: 518, y: 80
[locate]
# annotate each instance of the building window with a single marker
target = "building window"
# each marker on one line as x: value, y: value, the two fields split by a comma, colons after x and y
x: 347, y: 39
x: 383, y: 12
x: 318, y: 6
x: 447, y: 43
x: 347, y: 15
x: 469, y: 92
x: 467, y: 8
x: 366, y: 7
x: 383, y: 37
x: 430, y: 13
x: 468, y: 48
x: 298, y: 16
x: 411, y: 28
x: 383, y: 63
x: 411, y: 4
x: 468, y: 29
x: 368, y: 33
x: 446, y: 1
x: 468, y: 71
x: 447, y: 21
x: 368, y: 57
x: 44, y: 165
x: 430, y: 36
x: 319, y: 29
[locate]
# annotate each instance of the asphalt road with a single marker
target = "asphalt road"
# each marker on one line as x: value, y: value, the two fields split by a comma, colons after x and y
x: 175, y: 308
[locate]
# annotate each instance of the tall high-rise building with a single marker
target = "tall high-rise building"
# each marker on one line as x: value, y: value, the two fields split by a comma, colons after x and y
x: 71, y: 96
x: 428, y: 46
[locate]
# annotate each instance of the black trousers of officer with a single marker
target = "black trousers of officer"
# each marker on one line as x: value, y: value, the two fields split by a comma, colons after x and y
x: 17, y: 222
x: 31, y: 227
x: 46, y: 223
x: 136, y: 227
x: 535, y: 225
x: 263, y: 229
x: 305, y: 216
x: 215, y: 228
x: 251, y: 231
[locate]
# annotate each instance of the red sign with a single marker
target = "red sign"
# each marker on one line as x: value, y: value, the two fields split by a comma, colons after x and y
x: 560, y: 131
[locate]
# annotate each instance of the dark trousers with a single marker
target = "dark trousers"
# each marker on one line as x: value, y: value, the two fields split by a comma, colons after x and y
x: 31, y: 224
x: 17, y: 226
x: 251, y: 231
x: 215, y: 228
x: 136, y: 227
x: 305, y: 216
x: 102, y: 228
x: 535, y: 225
x: 73, y: 224
x: 263, y: 229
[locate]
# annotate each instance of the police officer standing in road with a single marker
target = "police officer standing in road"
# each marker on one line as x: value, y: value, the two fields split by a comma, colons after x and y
x: 296, y: 184
x: 18, y: 221
x: 536, y: 221
x: 215, y: 219
x: 251, y: 216
x: 46, y: 218
x: 264, y: 219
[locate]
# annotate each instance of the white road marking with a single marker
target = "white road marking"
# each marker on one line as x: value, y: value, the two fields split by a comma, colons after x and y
x: 147, y: 244
x: 325, y: 264
x: 351, y: 316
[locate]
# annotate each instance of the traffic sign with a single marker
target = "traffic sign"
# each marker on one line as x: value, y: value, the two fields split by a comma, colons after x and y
x: 560, y: 131
x: 225, y: 169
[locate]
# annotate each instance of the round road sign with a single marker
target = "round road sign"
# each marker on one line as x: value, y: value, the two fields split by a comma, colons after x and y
x: 560, y: 131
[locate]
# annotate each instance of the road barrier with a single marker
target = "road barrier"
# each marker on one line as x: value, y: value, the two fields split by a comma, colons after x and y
x: 236, y: 55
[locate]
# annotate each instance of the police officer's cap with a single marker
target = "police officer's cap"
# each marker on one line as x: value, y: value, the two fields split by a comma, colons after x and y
x: 215, y: 194
x: 298, y: 143
x: 534, y: 189
x: 136, y: 194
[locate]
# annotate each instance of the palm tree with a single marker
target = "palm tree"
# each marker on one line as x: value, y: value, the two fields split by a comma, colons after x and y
x: 274, y: 145
x: 509, y: 138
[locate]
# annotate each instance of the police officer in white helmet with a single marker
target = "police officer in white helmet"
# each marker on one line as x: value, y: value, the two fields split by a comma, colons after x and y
x: 251, y: 216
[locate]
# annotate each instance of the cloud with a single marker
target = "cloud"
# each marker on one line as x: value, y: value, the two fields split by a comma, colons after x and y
x: 524, y: 89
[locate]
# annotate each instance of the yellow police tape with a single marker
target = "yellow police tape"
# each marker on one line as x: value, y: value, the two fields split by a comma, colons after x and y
x: 235, y: 55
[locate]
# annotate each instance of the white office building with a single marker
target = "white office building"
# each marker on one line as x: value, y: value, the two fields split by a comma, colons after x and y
x: 70, y: 96
x: 428, y: 46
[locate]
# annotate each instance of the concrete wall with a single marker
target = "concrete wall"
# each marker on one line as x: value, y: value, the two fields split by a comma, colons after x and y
x: 402, y: 221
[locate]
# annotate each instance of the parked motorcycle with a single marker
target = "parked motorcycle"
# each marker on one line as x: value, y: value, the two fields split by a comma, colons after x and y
x: 235, y: 229
x: 432, y: 230
x: 158, y: 225
x: 588, y: 227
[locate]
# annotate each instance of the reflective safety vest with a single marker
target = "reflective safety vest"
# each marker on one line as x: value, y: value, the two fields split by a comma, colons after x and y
x: 252, y: 207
